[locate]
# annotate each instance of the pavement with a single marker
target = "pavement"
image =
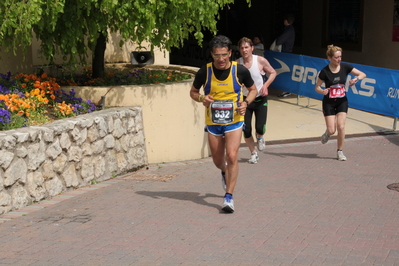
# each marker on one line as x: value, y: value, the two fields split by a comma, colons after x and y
x: 297, y: 206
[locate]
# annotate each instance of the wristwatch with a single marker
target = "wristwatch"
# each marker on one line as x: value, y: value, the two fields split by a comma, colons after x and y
x: 246, y: 102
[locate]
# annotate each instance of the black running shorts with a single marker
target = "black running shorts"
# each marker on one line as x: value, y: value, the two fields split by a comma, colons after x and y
x: 335, y: 106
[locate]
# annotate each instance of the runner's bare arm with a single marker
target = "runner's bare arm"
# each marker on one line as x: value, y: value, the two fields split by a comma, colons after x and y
x: 318, y: 88
x: 359, y: 76
x: 198, y: 97
x: 267, y: 68
x: 252, y: 93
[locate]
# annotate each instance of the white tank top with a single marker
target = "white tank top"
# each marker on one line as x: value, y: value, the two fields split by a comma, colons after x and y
x: 255, y: 74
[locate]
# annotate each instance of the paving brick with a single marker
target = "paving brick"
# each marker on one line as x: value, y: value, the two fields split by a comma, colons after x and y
x: 297, y: 206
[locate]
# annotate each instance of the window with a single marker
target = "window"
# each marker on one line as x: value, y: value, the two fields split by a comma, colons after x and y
x: 343, y: 24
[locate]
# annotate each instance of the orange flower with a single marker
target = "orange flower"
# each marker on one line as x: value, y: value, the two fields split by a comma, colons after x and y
x: 35, y: 92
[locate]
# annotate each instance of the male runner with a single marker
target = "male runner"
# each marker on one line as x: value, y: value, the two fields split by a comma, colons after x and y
x: 222, y: 81
x: 258, y: 66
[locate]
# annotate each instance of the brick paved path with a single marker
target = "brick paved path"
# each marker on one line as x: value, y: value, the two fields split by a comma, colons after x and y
x: 297, y: 206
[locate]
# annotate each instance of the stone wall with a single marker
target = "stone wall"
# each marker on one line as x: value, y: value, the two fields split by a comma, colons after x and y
x: 40, y: 162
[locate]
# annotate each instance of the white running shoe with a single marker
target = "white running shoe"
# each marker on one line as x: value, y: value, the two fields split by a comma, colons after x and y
x: 341, y: 156
x: 254, y: 158
x: 228, y: 204
x: 325, y: 137
x: 261, y: 144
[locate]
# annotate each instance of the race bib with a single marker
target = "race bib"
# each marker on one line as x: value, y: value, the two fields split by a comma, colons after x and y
x: 337, y: 91
x: 222, y: 112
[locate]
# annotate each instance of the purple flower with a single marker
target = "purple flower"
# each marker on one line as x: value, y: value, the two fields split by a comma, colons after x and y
x: 5, y: 117
x: 80, y: 106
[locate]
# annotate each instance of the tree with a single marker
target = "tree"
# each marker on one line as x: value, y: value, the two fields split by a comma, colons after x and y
x: 75, y: 27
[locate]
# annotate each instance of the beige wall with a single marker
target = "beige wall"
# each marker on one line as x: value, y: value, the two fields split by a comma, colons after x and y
x: 117, y: 54
x: 25, y: 62
x: 378, y: 47
x: 113, y: 53
x: 173, y: 123
x: 16, y: 63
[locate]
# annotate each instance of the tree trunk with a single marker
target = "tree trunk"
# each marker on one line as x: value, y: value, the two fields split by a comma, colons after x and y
x: 98, y: 62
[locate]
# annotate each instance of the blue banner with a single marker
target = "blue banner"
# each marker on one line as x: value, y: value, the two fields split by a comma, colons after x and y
x: 377, y: 93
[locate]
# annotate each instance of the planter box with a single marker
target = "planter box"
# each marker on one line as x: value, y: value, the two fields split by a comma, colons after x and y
x: 173, y: 122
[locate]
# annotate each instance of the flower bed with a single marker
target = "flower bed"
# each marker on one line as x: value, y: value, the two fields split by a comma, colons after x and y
x: 123, y: 76
x: 38, y: 162
x: 27, y: 100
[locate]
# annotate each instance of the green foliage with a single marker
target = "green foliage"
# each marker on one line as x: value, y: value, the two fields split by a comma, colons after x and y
x: 36, y: 118
x: 70, y: 27
x: 16, y: 121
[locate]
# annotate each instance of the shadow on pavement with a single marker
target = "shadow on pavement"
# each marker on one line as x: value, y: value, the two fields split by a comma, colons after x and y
x: 178, y: 195
x: 284, y: 155
x: 299, y: 155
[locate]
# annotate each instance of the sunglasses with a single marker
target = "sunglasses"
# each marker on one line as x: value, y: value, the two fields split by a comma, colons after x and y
x: 220, y: 55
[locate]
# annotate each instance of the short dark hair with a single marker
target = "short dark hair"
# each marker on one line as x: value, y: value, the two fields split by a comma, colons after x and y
x: 220, y: 41
x: 290, y: 18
